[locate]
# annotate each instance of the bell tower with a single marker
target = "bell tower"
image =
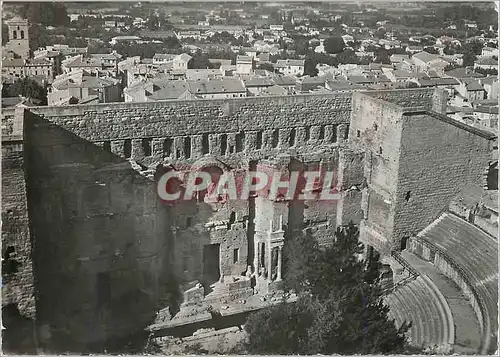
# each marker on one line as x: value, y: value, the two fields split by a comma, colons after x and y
x: 18, y: 37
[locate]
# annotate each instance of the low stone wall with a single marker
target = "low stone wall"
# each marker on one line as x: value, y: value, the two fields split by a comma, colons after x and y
x: 445, y: 264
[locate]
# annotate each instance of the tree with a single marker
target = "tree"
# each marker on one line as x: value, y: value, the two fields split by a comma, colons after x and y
x: 380, y: 33
x: 334, y: 45
x: 431, y: 50
x: 469, y: 57
x: 45, y: 13
x: 267, y: 66
x: 200, y: 61
x: 5, y: 34
x: 487, y: 72
x: 310, y: 67
x: 339, y: 307
x: 25, y: 87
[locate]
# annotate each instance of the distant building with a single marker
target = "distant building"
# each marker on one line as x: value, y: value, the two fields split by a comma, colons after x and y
x: 488, y: 63
x: 118, y: 39
x: 487, y: 115
x: 489, y: 52
x: 471, y: 90
x: 177, y: 89
x: 490, y: 85
x: 181, y: 62
x: 256, y: 86
x: 290, y: 67
x: 425, y: 61
x: 82, y: 87
x: 18, y: 37
x: 160, y: 58
x: 103, y: 64
x: 40, y: 69
x: 244, y: 64
x: 397, y: 58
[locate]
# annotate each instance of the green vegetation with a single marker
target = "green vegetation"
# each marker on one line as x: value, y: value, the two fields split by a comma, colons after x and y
x: 25, y: 87
x: 339, y: 307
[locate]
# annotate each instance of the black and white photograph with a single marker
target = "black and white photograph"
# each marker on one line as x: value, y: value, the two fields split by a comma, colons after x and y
x: 249, y: 178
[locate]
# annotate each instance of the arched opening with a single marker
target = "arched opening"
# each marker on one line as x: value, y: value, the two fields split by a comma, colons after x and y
x: 14, y: 34
x: 215, y: 173
x: 223, y: 144
x: 9, y: 264
x: 167, y: 147
x: 240, y: 141
x: 127, y: 148
x: 146, y: 147
x: 307, y: 133
x: 259, y: 140
x: 293, y: 134
x: 276, y: 136
x: 22, y: 35
x: 492, y: 179
x: 187, y: 147
x: 205, y: 148
x: 106, y: 146
x: 333, y: 137
x: 404, y: 242
x: 321, y: 132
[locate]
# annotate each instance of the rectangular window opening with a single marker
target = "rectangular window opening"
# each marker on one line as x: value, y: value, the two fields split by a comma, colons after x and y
x: 205, y: 147
x: 259, y: 140
x: 236, y: 255
x: 223, y: 144
x: 146, y: 147
x: 187, y: 147
x: 127, y: 148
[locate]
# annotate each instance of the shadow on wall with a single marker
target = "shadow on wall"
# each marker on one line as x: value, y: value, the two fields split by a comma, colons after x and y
x: 18, y: 336
x: 102, y: 245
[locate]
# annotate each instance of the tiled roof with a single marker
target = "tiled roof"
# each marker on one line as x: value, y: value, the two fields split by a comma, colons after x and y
x: 463, y: 73
x: 243, y: 59
x: 425, y: 56
x: 217, y: 86
x: 473, y: 85
x: 284, y: 81
x: 487, y: 61
x: 289, y: 62
x: 258, y: 82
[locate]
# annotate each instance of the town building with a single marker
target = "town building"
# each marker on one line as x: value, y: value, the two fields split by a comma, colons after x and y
x: 18, y: 37
x: 80, y: 87
x: 290, y: 67
x: 39, y: 69
x: 244, y: 64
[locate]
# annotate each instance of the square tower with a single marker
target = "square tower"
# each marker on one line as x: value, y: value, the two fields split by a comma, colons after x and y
x: 18, y: 37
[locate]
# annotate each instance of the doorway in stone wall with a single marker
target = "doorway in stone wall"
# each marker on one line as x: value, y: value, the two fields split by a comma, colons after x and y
x: 211, y: 264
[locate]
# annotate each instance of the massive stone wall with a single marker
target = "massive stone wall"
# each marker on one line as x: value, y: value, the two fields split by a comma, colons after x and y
x: 102, y: 250
x: 187, y: 130
x: 376, y: 129
x: 102, y: 219
x: 438, y: 158
x: 423, y: 98
x: 416, y: 160
x: 16, y: 240
x: 18, y: 295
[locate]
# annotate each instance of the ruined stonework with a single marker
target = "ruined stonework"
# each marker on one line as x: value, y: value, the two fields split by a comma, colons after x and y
x: 416, y: 161
x: 102, y: 243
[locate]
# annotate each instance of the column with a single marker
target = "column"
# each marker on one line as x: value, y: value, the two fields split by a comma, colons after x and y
x: 278, y: 278
x: 256, y: 258
x: 270, y: 264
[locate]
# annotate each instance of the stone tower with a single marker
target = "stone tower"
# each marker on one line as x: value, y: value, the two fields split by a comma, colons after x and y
x: 18, y: 37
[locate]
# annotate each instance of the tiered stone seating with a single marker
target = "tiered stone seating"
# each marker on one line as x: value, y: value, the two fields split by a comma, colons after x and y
x: 419, y: 302
x: 470, y: 257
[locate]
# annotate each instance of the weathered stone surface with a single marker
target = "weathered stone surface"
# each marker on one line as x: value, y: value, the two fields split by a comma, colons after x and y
x: 100, y: 242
